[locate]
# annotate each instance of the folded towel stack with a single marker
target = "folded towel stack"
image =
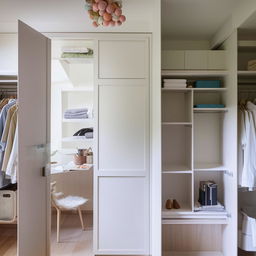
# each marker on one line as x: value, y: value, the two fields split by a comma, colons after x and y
x: 79, y: 113
x: 175, y: 83
x: 252, y: 65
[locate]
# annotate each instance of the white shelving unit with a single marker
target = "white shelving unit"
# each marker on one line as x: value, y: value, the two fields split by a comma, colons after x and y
x: 192, y: 151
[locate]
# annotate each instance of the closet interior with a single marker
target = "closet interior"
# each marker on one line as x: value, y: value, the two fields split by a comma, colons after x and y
x: 72, y: 122
x: 246, y: 140
x: 8, y: 173
x: 197, y: 175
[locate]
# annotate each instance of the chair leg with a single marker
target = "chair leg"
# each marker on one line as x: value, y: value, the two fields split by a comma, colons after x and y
x: 81, y: 217
x: 58, y: 225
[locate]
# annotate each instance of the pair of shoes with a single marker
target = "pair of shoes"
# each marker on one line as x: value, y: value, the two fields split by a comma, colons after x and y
x: 172, y: 204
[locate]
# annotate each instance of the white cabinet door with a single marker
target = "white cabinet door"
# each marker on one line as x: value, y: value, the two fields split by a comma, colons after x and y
x: 196, y: 60
x: 33, y: 125
x: 121, y: 209
x: 173, y: 60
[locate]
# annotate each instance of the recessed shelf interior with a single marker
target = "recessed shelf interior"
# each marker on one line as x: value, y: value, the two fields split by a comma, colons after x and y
x: 208, y: 97
x: 217, y: 177
x: 176, y: 148
x: 208, y: 133
x: 176, y: 106
x: 178, y: 186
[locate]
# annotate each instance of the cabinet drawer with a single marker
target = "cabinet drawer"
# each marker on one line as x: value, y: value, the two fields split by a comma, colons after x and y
x: 216, y: 59
x: 173, y: 60
x: 196, y: 60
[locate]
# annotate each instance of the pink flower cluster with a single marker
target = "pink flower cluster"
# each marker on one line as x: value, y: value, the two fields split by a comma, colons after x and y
x: 105, y: 12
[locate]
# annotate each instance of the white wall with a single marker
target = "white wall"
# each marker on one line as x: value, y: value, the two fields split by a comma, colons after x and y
x: 243, y: 10
x: 8, y: 53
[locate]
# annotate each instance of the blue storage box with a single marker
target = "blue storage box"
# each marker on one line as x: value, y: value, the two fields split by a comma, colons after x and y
x: 208, y: 84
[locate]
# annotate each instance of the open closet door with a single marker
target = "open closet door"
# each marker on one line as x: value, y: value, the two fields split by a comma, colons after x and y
x: 34, y: 134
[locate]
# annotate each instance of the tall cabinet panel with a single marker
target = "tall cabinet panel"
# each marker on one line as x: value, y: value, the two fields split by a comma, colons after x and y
x: 122, y: 146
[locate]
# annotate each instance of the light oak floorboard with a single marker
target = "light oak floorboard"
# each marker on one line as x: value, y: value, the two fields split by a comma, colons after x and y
x: 73, y: 240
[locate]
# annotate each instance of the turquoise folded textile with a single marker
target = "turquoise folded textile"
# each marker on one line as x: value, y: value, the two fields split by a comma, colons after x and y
x: 208, y: 84
x: 209, y: 106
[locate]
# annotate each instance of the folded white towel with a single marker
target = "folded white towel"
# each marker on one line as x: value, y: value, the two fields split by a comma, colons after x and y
x: 175, y: 81
x: 175, y: 85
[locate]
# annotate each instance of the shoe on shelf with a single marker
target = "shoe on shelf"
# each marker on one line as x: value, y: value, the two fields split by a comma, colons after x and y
x: 168, y: 204
x: 175, y: 204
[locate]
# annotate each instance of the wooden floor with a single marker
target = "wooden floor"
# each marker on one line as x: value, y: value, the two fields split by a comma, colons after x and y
x: 74, y: 241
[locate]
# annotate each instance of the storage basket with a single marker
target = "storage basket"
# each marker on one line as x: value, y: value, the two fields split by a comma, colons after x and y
x: 246, y: 234
x: 8, y: 205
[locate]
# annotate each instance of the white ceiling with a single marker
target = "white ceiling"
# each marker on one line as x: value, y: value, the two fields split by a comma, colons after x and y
x: 194, y: 19
x: 70, y: 16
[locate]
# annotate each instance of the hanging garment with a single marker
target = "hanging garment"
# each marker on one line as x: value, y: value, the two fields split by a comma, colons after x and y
x: 12, y: 166
x: 248, y: 177
x: 3, y: 103
x: 10, y: 140
x: 4, y: 138
x: 3, y: 114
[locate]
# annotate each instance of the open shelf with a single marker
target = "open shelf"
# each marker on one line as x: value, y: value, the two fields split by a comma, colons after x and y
x: 196, y: 89
x: 176, y: 123
x: 177, y: 148
x: 196, y: 73
x: 198, y: 167
x: 246, y: 73
x: 78, y: 89
x: 75, y: 138
x: 208, y: 134
x: 177, y: 106
x: 179, y: 187
x: 77, y: 120
x: 210, y: 110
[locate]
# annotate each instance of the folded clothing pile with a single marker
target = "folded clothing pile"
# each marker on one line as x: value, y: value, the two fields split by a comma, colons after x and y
x: 77, y: 53
x: 252, y: 65
x: 77, y: 113
x: 87, y: 132
x: 175, y: 83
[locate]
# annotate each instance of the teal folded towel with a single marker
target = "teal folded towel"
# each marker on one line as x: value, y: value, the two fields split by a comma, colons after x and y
x: 209, y: 106
x: 208, y: 84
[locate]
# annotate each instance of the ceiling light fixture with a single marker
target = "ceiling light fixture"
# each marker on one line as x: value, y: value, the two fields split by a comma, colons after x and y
x: 105, y: 12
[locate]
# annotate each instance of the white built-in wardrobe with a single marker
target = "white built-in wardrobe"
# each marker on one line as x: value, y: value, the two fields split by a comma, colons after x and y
x: 121, y: 204
x: 199, y: 144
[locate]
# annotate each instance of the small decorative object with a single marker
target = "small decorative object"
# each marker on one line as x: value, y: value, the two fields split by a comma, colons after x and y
x: 105, y: 12
x: 89, y: 156
x: 168, y: 204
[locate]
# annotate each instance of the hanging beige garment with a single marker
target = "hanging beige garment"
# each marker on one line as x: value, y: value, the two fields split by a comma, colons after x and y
x: 10, y: 139
x: 7, y: 123
x: 3, y: 103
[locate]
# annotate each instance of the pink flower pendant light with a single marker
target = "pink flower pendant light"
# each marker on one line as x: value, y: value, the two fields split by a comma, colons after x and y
x: 105, y: 12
